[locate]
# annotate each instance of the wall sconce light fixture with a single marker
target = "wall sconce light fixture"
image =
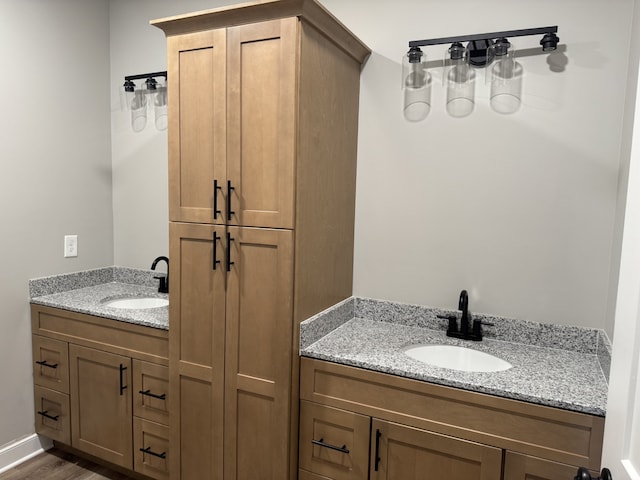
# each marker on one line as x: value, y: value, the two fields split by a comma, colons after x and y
x: 481, y: 51
x: 139, y: 100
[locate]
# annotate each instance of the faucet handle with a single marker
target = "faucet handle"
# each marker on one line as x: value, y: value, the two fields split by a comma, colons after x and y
x: 162, y: 288
x: 477, y: 327
x: 453, y: 323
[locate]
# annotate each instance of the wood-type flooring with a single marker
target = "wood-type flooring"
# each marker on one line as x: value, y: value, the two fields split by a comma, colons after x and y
x: 56, y: 464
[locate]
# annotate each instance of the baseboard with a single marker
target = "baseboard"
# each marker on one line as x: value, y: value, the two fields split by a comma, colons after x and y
x: 21, y: 450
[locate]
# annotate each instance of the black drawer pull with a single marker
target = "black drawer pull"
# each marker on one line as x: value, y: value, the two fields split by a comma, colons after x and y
x: 153, y: 395
x: 50, y: 417
x: 216, y: 187
x: 122, y: 385
x: 377, y: 455
x: 45, y: 364
x: 216, y: 262
x: 321, y: 443
x: 229, y: 262
x: 148, y: 450
x: 230, y: 212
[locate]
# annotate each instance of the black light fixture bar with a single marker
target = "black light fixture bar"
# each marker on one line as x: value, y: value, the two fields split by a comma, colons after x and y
x: 146, y: 75
x: 484, y: 36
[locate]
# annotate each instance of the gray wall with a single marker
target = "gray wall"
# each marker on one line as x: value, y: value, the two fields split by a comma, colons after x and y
x: 56, y: 168
x: 520, y: 209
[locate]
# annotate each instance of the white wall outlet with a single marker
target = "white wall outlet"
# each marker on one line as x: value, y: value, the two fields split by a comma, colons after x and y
x: 70, y: 246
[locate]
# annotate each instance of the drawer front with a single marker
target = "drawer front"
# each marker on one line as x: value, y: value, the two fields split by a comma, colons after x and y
x: 151, y: 448
x: 52, y: 414
x: 51, y: 363
x: 525, y: 467
x: 151, y: 391
x: 334, y: 443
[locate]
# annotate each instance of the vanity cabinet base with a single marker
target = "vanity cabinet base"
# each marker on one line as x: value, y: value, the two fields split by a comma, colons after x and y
x: 547, y: 437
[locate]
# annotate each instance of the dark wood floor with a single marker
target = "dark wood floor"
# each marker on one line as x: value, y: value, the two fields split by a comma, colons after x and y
x: 59, y: 465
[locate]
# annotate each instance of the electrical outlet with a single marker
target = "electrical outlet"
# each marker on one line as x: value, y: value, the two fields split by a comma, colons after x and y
x: 70, y: 246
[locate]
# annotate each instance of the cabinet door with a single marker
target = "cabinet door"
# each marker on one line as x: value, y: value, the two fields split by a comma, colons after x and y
x: 525, y: 467
x: 261, y: 75
x: 258, y: 354
x: 101, y: 418
x: 405, y: 453
x: 197, y: 126
x: 196, y: 350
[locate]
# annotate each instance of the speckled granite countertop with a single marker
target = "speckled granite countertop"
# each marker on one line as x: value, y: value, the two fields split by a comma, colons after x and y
x: 566, y: 372
x: 87, y: 292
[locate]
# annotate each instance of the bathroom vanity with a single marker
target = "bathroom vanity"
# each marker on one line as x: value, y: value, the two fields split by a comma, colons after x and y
x: 368, y: 411
x: 101, y: 373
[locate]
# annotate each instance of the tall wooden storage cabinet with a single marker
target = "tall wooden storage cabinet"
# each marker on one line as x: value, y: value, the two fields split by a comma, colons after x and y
x: 263, y: 121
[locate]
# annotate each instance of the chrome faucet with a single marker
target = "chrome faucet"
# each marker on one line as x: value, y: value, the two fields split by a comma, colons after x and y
x: 163, y: 287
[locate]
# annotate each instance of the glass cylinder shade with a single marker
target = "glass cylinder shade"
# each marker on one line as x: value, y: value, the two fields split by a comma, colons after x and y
x: 139, y: 111
x: 460, y: 80
x: 416, y: 87
x: 506, y: 84
x: 160, y: 107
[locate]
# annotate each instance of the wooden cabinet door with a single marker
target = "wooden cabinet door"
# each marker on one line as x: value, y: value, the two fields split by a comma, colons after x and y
x: 258, y: 354
x: 196, y: 350
x: 101, y: 417
x: 399, y: 452
x: 262, y: 97
x: 197, y: 126
x: 524, y: 467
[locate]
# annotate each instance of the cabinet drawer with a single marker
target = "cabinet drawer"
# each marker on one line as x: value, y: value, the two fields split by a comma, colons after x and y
x: 52, y: 414
x: 333, y: 443
x: 524, y: 467
x: 151, y: 448
x: 151, y: 391
x: 51, y: 363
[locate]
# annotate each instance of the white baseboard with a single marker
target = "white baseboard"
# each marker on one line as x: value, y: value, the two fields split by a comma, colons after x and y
x: 22, y: 450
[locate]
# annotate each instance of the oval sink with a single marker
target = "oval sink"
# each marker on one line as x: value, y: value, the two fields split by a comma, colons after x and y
x: 137, y: 303
x: 457, y: 358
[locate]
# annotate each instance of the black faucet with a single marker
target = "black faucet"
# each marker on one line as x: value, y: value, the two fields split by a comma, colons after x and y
x: 475, y: 332
x: 164, y: 279
x: 463, y: 306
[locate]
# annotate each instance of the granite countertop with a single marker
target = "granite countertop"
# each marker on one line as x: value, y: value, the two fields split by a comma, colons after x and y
x: 87, y: 292
x: 571, y: 378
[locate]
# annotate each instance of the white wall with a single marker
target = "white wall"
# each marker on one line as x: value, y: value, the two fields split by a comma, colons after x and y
x: 519, y: 209
x: 56, y: 168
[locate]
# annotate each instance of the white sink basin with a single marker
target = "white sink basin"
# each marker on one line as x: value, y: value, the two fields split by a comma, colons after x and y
x: 457, y: 358
x: 137, y: 303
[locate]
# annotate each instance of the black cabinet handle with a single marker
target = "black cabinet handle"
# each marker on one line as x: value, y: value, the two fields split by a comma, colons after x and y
x: 50, y: 417
x: 153, y: 395
x: 377, y: 462
x: 45, y: 364
x: 230, y: 189
x: 229, y: 262
x: 583, y: 474
x: 148, y: 450
x: 215, y: 250
x: 321, y: 443
x: 216, y: 187
x: 122, y: 386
